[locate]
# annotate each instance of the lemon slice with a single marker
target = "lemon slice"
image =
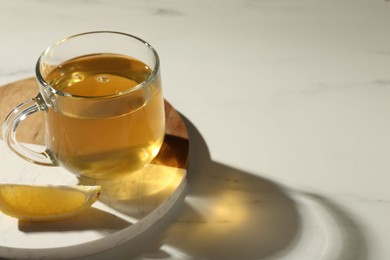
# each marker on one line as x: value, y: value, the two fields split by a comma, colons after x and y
x: 46, y: 202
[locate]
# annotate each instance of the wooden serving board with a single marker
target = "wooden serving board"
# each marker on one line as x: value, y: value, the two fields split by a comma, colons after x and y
x: 174, y: 151
x: 127, y: 207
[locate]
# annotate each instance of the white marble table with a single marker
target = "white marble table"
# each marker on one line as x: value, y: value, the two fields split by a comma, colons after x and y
x: 287, y: 105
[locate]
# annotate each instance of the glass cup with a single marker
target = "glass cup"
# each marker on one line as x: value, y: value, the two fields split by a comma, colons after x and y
x: 101, y: 96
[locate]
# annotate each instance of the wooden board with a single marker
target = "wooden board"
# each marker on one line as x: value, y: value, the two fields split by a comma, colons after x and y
x: 130, y: 204
x: 174, y: 151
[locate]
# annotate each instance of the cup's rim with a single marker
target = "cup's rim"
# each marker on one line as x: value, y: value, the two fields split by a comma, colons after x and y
x: 146, y: 82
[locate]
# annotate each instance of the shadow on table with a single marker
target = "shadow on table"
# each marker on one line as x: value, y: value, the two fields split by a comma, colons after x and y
x: 101, y: 220
x: 226, y: 213
x: 351, y: 241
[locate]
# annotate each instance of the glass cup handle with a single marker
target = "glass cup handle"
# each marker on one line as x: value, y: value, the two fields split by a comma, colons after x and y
x: 12, y: 121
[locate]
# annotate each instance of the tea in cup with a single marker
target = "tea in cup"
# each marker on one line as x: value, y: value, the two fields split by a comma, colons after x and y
x: 102, y: 99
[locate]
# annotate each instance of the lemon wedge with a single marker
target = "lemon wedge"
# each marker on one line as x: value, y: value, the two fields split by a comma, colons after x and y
x: 46, y: 202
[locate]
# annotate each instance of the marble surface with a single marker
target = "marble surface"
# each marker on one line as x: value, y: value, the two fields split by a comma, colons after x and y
x: 287, y: 107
